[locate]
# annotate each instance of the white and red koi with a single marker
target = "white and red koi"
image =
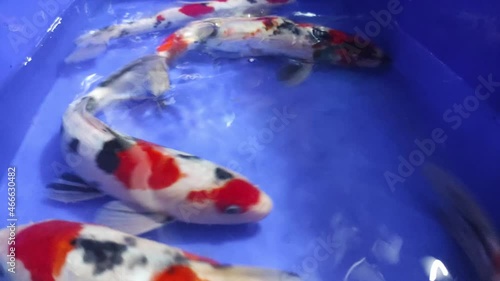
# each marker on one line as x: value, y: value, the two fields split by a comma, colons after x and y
x: 307, y: 44
x: 59, y: 250
x: 94, y: 42
x: 154, y: 184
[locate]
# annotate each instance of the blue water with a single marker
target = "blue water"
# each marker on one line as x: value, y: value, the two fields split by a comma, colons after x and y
x: 324, y: 167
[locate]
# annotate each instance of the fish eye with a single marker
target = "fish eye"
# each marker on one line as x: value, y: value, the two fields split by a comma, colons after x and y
x: 320, y: 34
x: 233, y: 209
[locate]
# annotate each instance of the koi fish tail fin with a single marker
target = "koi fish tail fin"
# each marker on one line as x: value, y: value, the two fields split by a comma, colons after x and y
x: 144, y: 78
x: 207, y: 271
x: 93, y: 43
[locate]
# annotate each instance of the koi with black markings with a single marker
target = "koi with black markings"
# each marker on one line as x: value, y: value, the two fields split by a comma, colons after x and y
x: 94, y: 42
x: 305, y: 44
x: 153, y: 184
x: 58, y: 250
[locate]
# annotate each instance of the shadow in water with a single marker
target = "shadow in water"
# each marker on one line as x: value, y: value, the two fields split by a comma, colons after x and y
x: 185, y: 233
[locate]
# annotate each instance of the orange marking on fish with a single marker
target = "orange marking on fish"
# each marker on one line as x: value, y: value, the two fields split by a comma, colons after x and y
x: 43, y: 248
x: 235, y: 191
x: 163, y: 168
x: 177, y: 273
x: 174, y: 45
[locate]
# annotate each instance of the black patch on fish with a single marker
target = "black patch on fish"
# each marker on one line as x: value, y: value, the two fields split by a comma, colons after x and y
x: 107, y: 159
x: 252, y: 1
x: 188, y: 157
x: 180, y: 259
x: 287, y: 26
x: 214, y: 33
x: 321, y: 35
x: 140, y: 261
x: 90, y: 103
x: 124, y: 33
x: 104, y: 255
x: 107, y: 28
x: 157, y: 23
x: 130, y: 241
x: 73, y: 145
x: 222, y: 174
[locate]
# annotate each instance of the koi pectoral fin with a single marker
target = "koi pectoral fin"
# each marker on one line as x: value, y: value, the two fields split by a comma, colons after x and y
x: 71, y: 188
x: 295, y: 73
x: 125, y: 218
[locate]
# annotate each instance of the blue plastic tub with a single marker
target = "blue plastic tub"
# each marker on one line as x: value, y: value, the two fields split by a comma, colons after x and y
x: 333, y: 170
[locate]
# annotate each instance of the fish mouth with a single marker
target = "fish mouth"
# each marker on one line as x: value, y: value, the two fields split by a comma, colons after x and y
x: 264, y: 207
x: 255, y: 214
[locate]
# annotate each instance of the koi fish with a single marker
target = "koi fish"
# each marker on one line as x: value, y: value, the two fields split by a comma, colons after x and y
x: 153, y: 184
x: 94, y: 42
x: 305, y: 44
x: 469, y: 226
x: 59, y: 250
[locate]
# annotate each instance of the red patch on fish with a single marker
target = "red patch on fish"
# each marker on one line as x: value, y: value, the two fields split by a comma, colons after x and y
x: 339, y: 37
x: 163, y: 168
x: 268, y: 22
x: 43, y: 248
x: 174, y: 45
x: 177, y: 273
x: 160, y: 18
x: 235, y: 192
x: 196, y: 10
x: 194, y: 257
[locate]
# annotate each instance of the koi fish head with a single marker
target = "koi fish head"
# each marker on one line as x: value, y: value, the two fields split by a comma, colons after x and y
x: 233, y: 201
x: 341, y: 48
